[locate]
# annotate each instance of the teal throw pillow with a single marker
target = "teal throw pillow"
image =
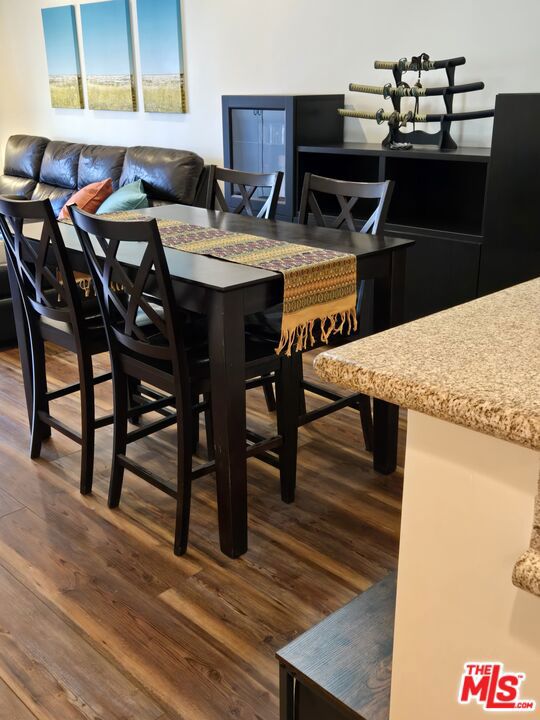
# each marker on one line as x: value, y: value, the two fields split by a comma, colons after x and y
x: 128, y: 197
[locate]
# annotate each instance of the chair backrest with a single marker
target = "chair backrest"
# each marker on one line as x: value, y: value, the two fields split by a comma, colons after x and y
x: 347, y: 195
x: 247, y: 184
x: 132, y: 321
x: 40, y: 266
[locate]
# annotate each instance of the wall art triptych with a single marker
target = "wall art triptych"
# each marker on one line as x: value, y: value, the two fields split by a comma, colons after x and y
x: 62, y: 46
x: 108, y: 55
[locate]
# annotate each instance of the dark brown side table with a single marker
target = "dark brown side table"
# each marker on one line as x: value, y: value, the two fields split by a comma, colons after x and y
x: 340, y: 669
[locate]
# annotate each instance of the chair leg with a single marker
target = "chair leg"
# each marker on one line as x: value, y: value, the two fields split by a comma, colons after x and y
x: 133, y: 384
x: 183, y: 471
x: 301, y: 392
x: 269, y: 396
x: 209, y: 427
x: 120, y: 395
x: 366, y: 418
x: 38, y: 429
x: 195, y: 434
x: 288, y: 400
x: 88, y: 420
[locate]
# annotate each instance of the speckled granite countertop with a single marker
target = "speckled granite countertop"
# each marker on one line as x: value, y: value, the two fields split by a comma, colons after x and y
x: 476, y: 365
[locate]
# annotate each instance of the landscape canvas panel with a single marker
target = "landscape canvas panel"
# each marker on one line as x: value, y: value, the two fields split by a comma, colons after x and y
x: 63, y: 62
x: 161, y: 55
x: 108, y: 55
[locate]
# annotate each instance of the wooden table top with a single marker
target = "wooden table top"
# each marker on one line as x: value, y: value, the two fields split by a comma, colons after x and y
x: 225, y: 275
x: 348, y: 656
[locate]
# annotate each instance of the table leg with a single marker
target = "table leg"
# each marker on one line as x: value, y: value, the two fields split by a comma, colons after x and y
x: 389, y: 296
x: 288, y: 402
x: 227, y: 382
x: 286, y: 694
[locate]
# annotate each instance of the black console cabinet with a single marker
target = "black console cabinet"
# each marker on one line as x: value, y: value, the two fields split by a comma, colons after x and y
x: 262, y: 133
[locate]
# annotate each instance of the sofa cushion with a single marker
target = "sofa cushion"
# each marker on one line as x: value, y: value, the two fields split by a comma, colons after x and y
x: 100, y: 161
x: 57, y: 195
x: 21, y: 187
x: 128, y: 197
x: 88, y: 198
x: 23, y: 155
x: 170, y: 175
x: 60, y: 164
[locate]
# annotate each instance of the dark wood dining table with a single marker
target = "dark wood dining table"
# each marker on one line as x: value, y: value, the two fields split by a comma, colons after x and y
x: 225, y: 292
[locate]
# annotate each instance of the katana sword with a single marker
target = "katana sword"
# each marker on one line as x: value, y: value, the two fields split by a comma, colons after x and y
x: 405, y: 91
x: 405, y: 117
x: 403, y: 65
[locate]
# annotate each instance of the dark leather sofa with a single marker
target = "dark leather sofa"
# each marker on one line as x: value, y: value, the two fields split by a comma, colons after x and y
x: 38, y: 168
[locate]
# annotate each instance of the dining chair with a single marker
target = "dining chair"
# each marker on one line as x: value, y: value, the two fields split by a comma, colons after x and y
x: 167, y: 352
x: 345, y: 195
x: 245, y: 185
x: 55, y: 311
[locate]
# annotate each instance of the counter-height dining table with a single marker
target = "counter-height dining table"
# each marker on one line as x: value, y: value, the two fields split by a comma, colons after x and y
x: 225, y: 292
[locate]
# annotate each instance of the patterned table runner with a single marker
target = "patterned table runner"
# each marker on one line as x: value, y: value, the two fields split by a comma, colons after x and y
x: 319, y: 285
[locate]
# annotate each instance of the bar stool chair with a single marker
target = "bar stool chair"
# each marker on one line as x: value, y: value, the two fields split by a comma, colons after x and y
x: 247, y: 185
x: 163, y: 352
x: 54, y: 311
x: 346, y: 196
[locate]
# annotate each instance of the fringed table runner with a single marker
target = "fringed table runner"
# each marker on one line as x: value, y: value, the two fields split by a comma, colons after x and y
x: 319, y: 285
x: 527, y: 569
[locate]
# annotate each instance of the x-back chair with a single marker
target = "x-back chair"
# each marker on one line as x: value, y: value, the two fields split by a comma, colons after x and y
x: 347, y: 194
x: 161, y: 352
x: 54, y: 310
x: 247, y: 185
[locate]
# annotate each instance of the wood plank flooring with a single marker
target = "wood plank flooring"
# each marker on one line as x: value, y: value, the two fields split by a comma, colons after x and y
x: 100, y: 621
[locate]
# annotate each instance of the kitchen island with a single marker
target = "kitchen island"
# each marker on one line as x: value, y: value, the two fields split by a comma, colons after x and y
x: 470, y: 378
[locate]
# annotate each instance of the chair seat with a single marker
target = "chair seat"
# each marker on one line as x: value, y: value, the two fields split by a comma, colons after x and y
x: 261, y: 359
x: 61, y: 333
x: 94, y: 332
x: 266, y: 326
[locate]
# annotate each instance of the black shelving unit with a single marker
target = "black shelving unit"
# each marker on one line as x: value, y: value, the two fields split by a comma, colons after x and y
x: 261, y: 133
x: 472, y: 211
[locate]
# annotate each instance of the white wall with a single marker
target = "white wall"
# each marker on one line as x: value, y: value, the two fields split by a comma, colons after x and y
x: 281, y: 46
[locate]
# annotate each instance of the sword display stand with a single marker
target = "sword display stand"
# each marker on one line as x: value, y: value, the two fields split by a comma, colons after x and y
x: 397, y: 138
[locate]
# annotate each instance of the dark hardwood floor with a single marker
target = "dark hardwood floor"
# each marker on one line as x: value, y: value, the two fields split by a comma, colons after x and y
x: 100, y: 621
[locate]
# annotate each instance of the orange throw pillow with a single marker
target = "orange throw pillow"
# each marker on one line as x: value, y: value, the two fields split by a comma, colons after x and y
x: 88, y: 198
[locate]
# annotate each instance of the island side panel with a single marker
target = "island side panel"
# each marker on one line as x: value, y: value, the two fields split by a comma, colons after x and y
x: 467, y: 516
